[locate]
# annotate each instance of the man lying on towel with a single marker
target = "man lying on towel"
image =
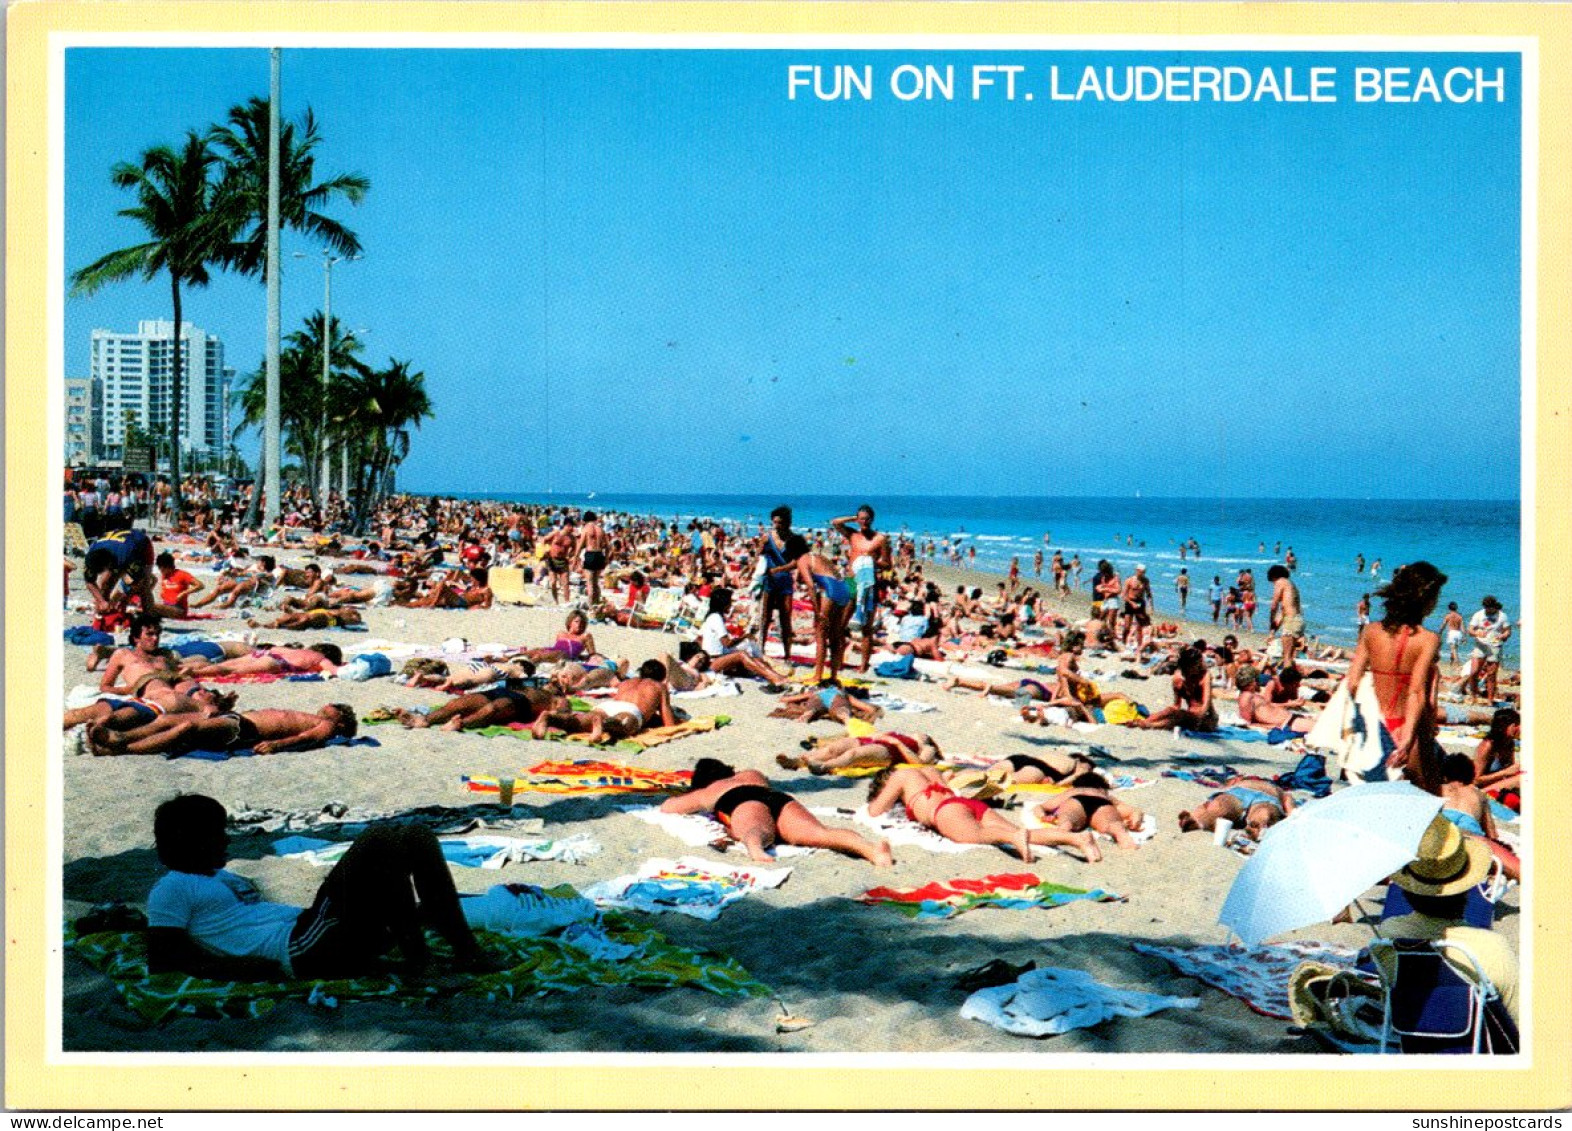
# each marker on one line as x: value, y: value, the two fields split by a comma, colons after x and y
x: 262, y: 732
x: 635, y: 703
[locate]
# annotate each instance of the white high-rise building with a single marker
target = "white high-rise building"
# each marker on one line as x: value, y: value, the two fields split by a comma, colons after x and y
x: 134, y: 372
x: 82, y: 412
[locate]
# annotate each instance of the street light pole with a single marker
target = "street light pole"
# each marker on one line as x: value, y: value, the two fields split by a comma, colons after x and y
x: 272, y: 473
x: 325, y: 472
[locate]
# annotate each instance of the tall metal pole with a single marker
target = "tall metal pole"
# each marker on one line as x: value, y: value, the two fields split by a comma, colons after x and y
x: 325, y: 477
x: 271, y: 464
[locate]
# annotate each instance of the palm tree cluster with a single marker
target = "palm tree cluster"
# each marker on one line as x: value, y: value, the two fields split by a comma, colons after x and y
x: 203, y: 205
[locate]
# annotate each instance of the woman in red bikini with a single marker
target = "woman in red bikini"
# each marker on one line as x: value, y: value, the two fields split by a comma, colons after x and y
x: 757, y: 816
x: 1400, y: 655
x: 930, y: 801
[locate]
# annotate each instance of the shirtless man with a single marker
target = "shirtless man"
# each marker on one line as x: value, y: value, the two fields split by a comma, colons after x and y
x: 263, y: 732
x: 559, y: 554
x: 446, y: 593
x: 312, y: 619
x: 142, y: 660
x: 591, y: 552
x: 1452, y: 632
x: 870, y: 554
x: 1285, y: 613
x: 498, y: 706
x: 1137, y: 595
x: 124, y: 556
x: 636, y: 702
x: 780, y: 549
x: 277, y: 660
x: 1257, y: 709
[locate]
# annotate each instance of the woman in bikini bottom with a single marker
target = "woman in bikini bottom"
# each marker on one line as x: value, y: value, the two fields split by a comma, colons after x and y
x: 1024, y: 763
x: 758, y: 816
x: 246, y: 733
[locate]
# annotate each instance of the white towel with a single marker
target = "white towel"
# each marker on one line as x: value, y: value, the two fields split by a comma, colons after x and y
x: 718, y: 689
x: 1350, y: 727
x: 897, y: 828
x: 1051, y: 1000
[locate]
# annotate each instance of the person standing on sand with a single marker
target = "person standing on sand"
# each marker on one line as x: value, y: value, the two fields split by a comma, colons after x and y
x: 780, y: 549
x: 1490, y: 629
x: 1182, y: 587
x: 1075, y: 572
x: 1037, y: 564
x: 869, y: 550
x: 591, y: 552
x: 1015, y: 574
x: 559, y: 552
x: 1285, y: 614
x: 1452, y: 631
x: 1214, y: 595
x: 1058, y: 569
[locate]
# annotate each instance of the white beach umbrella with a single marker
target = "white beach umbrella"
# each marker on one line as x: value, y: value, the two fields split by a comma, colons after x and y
x: 1324, y: 855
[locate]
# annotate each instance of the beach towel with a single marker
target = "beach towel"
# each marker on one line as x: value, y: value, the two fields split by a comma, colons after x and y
x: 689, y: 886
x: 945, y: 899
x: 1309, y: 775
x: 1211, y: 776
x: 1053, y: 1000
x: 249, y: 751
x: 526, y: 910
x: 887, y: 702
x: 267, y: 677
x: 902, y: 668
x: 87, y: 636
x: 586, y: 778
x: 1349, y: 727
x: 1232, y: 733
x: 484, y: 851
x: 699, y: 831
x: 536, y: 965
x: 897, y: 828
x: 1258, y: 977
x: 718, y: 689
x: 644, y: 740
x: 337, y: 817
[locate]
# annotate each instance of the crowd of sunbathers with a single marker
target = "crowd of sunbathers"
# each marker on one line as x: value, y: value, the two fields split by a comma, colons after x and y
x: 861, y: 595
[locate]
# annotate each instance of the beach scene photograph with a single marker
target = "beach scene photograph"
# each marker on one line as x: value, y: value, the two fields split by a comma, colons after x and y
x: 826, y: 550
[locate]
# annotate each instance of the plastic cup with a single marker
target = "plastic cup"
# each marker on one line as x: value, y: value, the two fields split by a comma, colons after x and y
x: 505, y: 792
x: 1220, y: 832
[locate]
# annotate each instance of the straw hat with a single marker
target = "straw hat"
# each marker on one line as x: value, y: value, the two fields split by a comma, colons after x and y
x: 1447, y: 862
x: 981, y: 785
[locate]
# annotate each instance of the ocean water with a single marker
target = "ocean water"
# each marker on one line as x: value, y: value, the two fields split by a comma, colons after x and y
x: 1476, y: 543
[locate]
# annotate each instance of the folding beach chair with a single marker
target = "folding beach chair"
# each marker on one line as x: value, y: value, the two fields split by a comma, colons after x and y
x: 1479, y: 911
x: 657, y: 608
x: 1429, y: 1007
x: 507, y: 586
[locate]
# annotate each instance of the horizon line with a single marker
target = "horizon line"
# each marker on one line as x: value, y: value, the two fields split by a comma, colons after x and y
x: 565, y: 496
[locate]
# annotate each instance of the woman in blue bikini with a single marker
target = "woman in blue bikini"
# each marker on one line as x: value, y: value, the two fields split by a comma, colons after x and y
x: 1253, y: 804
x: 832, y: 609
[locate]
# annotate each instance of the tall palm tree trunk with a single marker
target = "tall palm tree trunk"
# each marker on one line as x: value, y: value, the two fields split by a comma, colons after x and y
x: 175, y: 392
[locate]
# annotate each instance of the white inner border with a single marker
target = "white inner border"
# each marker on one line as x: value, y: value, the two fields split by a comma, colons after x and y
x: 1526, y: 48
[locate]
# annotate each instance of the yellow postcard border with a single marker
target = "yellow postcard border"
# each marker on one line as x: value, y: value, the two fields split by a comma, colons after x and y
x: 34, y: 1082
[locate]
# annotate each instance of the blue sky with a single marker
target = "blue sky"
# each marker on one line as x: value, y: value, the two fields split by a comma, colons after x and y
x: 652, y: 271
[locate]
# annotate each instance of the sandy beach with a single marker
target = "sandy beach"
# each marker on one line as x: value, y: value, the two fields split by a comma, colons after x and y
x: 867, y: 979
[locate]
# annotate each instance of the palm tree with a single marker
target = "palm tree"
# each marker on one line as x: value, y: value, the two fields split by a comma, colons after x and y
x: 305, y: 404
x: 182, y: 211
x: 392, y: 401
x: 243, y: 144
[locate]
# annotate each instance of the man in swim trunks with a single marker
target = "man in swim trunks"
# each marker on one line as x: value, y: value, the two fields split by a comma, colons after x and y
x: 1257, y: 709
x: 124, y: 556
x: 1490, y: 629
x: 1253, y: 804
x: 635, y: 702
x: 129, y: 667
x: 780, y: 549
x: 1285, y: 613
x: 591, y: 551
x: 263, y: 732
x: 1452, y: 632
x: 1137, y: 595
x: 312, y: 619
x: 870, y: 556
x: 559, y: 551
x: 499, y: 706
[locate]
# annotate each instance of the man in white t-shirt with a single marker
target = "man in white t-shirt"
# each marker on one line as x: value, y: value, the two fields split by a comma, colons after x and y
x: 1490, y: 629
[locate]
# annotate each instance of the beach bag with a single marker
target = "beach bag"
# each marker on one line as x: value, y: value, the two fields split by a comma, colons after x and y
x: 1120, y: 712
x: 903, y: 668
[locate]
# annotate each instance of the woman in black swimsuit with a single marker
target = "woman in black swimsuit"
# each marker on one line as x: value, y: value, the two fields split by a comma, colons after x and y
x: 758, y: 816
x: 1054, y: 768
x: 1089, y: 804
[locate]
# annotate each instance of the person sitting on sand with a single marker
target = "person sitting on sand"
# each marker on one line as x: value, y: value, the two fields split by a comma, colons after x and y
x: 930, y: 801
x: 1090, y: 804
x: 312, y: 619
x: 126, y: 558
x: 757, y: 816
x: 832, y: 609
x: 448, y: 593
x: 276, y: 660
x: 176, y: 587
x: 1257, y: 709
x: 718, y: 645
x: 634, y: 704
x: 1192, y: 708
x: 829, y: 700
x: 253, y: 578
x: 1072, y: 691
x: 494, y: 707
x: 263, y: 732
x: 884, y: 749
x: 1253, y: 804
x: 206, y: 921
x: 1495, y: 758
x: 574, y: 642
x: 1468, y: 807
x: 143, y: 658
